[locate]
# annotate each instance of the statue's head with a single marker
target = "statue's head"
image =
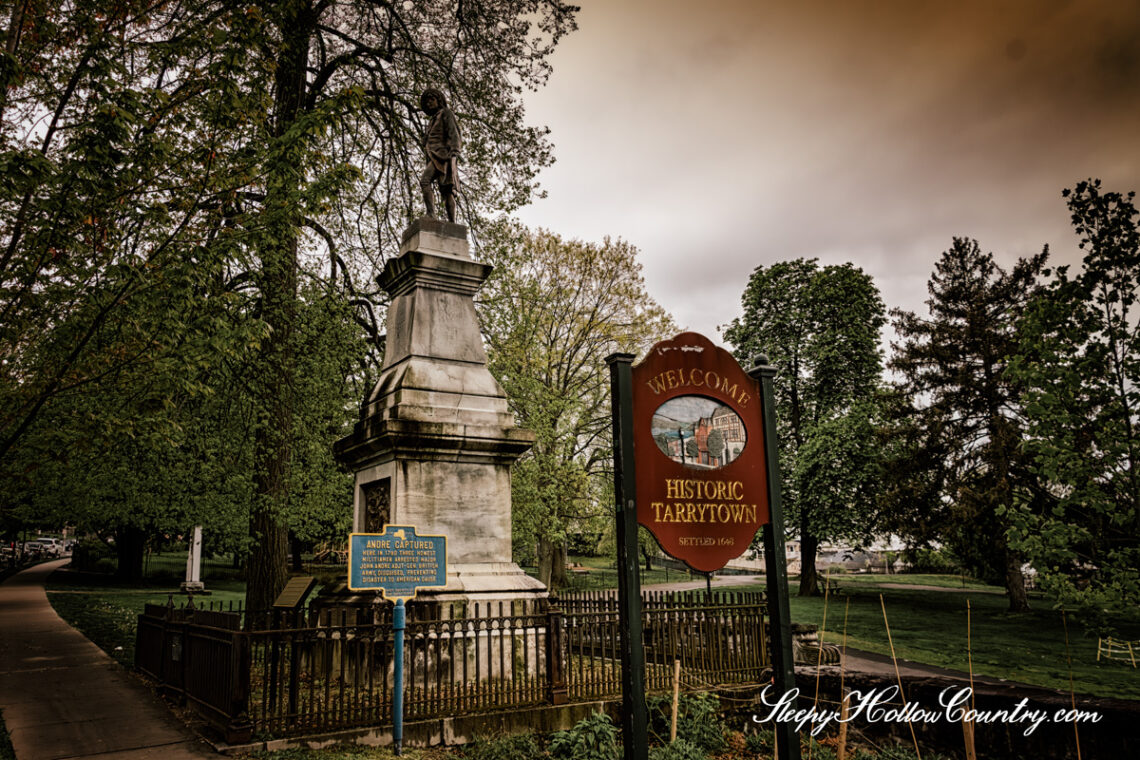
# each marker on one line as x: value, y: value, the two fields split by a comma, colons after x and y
x: 432, y: 100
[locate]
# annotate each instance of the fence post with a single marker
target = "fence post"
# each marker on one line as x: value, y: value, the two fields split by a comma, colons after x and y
x: 239, y: 729
x: 556, y: 691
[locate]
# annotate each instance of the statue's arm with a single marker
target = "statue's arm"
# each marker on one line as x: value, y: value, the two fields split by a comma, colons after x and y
x: 453, y: 140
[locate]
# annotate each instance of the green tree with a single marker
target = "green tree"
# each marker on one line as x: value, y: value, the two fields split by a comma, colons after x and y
x: 692, y: 450
x: 1079, y: 366
x: 551, y: 313
x: 913, y: 473
x: 339, y: 106
x: 819, y: 326
x: 281, y: 138
x: 715, y: 445
x: 97, y: 237
x: 955, y: 360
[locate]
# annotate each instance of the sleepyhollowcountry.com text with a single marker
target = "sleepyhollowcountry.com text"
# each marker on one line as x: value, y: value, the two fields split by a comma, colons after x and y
x: 879, y: 706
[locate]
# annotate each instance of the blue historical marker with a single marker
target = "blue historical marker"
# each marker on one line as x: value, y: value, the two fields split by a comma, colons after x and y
x: 397, y: 563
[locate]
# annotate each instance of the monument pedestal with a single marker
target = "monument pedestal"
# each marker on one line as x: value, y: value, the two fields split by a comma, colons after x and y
x: 435, y: 440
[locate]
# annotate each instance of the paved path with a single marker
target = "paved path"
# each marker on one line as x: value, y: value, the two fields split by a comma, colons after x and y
x: 62, y: 697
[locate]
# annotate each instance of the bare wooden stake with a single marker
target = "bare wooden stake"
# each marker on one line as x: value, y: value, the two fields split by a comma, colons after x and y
x: 968, y: 725
x: 676, y: 696
x: 819, y: 657
x: 968, y: 738
x: 841, y: 750
x: 841, y: 753
x: 1072, y: 692
x: 898, y: 677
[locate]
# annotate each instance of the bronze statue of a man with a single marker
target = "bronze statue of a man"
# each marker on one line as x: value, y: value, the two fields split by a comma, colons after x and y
x: 442, y: 147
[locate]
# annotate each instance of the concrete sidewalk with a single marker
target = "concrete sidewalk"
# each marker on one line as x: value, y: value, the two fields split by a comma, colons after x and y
x: 62, y: 697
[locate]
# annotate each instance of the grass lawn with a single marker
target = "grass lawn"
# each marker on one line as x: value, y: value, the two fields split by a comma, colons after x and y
x: 600, y: 573
x: 106, y: 612
x: 915, y: 579
x: 172, y: 566
x: 930, y: 627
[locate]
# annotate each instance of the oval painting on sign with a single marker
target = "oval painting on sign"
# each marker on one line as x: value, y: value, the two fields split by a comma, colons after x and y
x: 698, y: 432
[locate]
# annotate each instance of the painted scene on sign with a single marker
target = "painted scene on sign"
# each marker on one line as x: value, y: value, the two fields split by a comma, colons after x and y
x: 698, y: 432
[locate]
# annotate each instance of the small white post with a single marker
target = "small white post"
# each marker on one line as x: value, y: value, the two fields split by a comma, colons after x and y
x: 193, y: 582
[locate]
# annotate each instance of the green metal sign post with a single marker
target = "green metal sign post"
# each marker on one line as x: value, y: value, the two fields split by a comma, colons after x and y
x: 398, y: 563
x: 776, y: 565
x: 635, y: 715
x: 690, y: 381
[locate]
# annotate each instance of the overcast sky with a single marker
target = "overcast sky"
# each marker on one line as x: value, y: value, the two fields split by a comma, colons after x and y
x: 720, y: 135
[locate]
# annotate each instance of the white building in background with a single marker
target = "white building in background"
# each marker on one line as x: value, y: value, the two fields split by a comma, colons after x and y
x: 871, y: 558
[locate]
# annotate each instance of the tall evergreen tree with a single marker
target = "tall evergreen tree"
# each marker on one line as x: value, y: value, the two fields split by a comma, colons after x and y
x: 954, y: 362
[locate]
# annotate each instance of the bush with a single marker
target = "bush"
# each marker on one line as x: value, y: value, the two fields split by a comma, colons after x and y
x: 938, y: 561
x: 88, y: 553
x: 816, y: 750
x: 593, y: 738
x: 698, y: 720
x: 678, y: 750
x: 503, y: 748
x: 906, y: 752
x: 106, y: 565
x: 761, y: 742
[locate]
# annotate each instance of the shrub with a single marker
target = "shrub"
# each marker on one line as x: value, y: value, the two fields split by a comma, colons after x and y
x: 678, y: 750
x: 924, y: 560
x: 593, y: 738
x: 816, y: 750
x: 906, y: 752
x: 105, y: 565
x: 88, y: 553
x: 698, y: 720
x: 761, y: 742
x: 503, y: 748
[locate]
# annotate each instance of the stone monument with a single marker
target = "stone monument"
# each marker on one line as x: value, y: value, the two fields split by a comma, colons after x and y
x: 435, y: 440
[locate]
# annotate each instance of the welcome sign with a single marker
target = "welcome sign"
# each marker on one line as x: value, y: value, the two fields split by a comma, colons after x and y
x: 698, y: 438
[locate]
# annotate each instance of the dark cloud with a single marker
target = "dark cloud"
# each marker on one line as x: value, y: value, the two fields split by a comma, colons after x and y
x: 873, y: 131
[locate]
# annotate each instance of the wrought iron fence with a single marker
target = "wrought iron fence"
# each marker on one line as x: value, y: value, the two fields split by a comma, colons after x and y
x: 719, y: 638
x: 331, y: 668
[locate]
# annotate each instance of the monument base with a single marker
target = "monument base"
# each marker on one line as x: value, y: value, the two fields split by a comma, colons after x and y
x: 436, y: 437
x: 469, y: 595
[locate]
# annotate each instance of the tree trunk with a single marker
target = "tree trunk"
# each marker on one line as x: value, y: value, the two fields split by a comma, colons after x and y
x: 130, y: 548
x: 295, y: 553
x: 544, y: 560
x: 809, y: 579
x: 552, y: 563
x: 1015, y: 583
x: 278, y: 284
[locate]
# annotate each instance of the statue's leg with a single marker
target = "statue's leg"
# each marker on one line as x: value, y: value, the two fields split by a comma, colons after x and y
x: 448, y: 193
x: 425, y: 186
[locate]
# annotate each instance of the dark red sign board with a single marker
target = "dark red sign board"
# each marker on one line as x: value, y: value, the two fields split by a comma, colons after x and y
x: 698, y: 439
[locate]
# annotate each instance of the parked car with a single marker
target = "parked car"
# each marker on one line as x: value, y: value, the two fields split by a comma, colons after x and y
x: 52, y: 546
x: 33, y: 549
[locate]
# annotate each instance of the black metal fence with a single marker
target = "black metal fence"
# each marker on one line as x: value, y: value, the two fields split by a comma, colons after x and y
x: 332, y: 668
x: 719, y: 639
